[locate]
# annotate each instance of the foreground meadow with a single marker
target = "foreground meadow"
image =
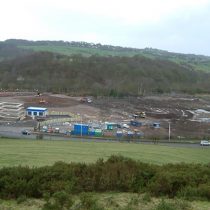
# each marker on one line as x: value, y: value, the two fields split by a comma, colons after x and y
x: 115, y: 183
x: 15, y: 152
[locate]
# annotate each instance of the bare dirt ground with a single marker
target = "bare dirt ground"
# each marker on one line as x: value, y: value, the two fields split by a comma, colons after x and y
x: 179, y: 110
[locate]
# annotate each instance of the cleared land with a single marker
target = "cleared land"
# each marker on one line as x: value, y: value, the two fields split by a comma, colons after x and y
x: 189, y: 115
x: 44, y: 152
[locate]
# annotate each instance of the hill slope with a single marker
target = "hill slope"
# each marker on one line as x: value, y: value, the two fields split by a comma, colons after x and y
x: 99, y: 75
x: 195, y: 62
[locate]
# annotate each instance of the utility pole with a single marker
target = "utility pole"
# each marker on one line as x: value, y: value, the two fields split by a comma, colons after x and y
x: 140, y: 89
x: 79, y: 115
x: 81, y: 124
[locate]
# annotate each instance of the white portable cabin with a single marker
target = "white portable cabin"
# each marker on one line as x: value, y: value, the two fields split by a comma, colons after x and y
x: 36, y: 112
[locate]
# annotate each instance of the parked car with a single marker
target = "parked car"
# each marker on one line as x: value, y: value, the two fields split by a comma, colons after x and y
x: 204, y: 143
x: 26, y: 132
x: 125, y: 125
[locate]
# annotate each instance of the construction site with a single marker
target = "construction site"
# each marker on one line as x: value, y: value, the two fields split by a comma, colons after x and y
x: 11, y: 111
x: 148, y: 117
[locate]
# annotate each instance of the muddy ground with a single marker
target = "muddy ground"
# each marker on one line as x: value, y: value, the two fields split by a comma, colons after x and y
x: 178, y: 110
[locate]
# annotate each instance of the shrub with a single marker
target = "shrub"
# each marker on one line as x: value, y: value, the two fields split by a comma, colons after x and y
x: 21, y: 199
x: 189, y: 193
x: 146, y: 198
x: 59, y: 201
x: 116, y: 174
x: 204, y: 191
x: 88, y: 202
x: 164, y: 205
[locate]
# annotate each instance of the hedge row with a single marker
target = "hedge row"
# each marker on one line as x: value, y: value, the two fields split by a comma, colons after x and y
x: 116, y: 174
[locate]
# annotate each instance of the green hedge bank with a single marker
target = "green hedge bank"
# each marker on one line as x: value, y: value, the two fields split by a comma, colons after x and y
x: 118, y: 174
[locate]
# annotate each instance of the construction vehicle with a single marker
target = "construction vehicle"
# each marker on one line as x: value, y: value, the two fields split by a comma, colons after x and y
x: 139, y: 115
x: 86, y: 100
x: 42, y: 101
x: 83, y: 100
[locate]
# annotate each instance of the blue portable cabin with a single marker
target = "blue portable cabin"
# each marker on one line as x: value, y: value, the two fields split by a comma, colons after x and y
x: 91, y: 132
x: 80, y: 129
x: 36, y: 111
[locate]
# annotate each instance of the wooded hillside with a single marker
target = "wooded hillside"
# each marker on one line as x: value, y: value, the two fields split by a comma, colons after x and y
x: 98, y: 75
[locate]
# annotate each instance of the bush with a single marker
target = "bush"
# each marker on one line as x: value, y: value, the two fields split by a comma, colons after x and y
x: 21, y: 199
x: 117, y: 174
x: 163, y: 205
x: 59, y: 201
x: 189, y: 193
x: 146, y: 198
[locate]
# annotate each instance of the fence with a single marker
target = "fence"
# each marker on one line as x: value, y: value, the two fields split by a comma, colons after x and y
x: 72, y: 118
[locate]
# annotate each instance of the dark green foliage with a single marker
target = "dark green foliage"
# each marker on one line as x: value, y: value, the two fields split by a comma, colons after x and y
x: 116, y: 174
x: 163, y: 205
x: 190, y: 61
x: 146, y: 198
x: 111, y: 76
x: 174, y: 179
x: 59, y: 201
x: 201, y: 191
x: 21, y: 199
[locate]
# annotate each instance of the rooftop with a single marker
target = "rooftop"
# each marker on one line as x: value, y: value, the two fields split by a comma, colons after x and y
x: 37, y: 108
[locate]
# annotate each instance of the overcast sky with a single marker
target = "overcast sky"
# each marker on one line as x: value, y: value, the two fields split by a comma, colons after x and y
x: 173, y: 25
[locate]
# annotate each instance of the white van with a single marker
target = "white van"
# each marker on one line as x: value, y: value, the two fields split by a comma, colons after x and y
x: 204, y: 143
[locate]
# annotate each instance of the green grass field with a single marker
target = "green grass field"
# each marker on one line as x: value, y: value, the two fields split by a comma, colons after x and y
x: 87, y: 52
x: 45, y: 152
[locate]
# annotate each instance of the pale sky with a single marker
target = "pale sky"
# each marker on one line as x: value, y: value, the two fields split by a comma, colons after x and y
x: 173, y: 25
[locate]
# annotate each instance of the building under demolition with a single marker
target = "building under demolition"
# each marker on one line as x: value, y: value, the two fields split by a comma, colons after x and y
x: 11, y: 111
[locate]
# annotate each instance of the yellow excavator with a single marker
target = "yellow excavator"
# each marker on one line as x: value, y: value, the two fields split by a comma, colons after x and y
x: 42, y: 101
x: 140, y: 115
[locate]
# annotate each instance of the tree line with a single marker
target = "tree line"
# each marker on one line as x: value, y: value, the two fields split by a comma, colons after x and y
x: 97, y: 75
